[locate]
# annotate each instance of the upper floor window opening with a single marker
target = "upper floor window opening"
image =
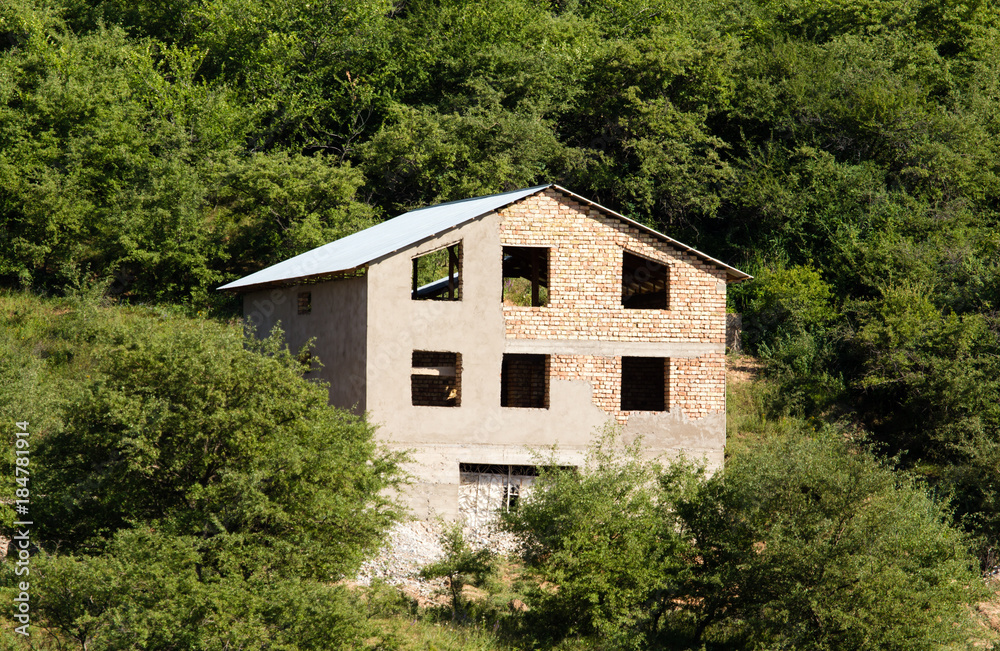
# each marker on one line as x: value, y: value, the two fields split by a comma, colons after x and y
x: 437, y: 275
x: 524, y: 381
x: 645, y: 384
x: 525, y: 276
x: 645, y: 283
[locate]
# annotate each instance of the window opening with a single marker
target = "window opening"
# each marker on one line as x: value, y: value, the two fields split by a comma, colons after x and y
x: 644, y: 384
x: 305, y: 302
x: 524, y: 381
x: 487, y: 488
x: 436, y: 379
x: 436, y: 275
x: 645, y: 283
x: 525, y: 276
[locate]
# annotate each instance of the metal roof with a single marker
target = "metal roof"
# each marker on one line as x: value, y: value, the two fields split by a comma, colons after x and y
x: 410, y: 228
x: 380, y: 240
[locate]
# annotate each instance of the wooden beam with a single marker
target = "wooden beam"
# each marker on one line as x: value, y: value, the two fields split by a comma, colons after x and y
x: 535, y: 254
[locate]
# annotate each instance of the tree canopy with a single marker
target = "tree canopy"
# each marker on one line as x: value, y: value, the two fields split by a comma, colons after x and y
x: 845, y: 153
x: 189, y: 488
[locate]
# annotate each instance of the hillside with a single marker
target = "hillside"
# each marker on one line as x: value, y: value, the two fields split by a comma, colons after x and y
x: 845, y: 153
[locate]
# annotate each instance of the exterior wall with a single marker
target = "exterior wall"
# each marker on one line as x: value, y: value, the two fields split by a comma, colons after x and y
x: 338, y: 321
x: 583, y: 329
x: 585, y: 266
x: 480, y: 430
x: 584, y: 306
x: 698, y: 385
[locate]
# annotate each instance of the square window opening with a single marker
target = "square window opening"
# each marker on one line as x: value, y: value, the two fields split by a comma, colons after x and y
x: 525, y: 276
x: 644, y: 384
x: 645, y: 283
x: 437, y: 275
x: 436, y: 379
x: 524, y: 381
x: 305, y: 302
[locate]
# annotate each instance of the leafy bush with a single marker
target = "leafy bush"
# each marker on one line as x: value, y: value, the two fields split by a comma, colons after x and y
x: 461, y: 565
x: 190, y: 489
x: 783, y: 303
x: 606, y: 545
x: 184, y: 426
x: 928, y: 380
x: 806, y: 543
x: 149, y: 591
x: 802, y: 542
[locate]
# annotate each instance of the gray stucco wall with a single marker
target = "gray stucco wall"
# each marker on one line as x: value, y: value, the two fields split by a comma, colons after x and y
x: 338, y: 321
x: 479, y: 431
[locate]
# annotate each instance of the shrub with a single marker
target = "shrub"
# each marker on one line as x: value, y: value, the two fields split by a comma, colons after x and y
x: 605, y: 543
x: 806, y: 543
x: 184, y: 426
x: 802, y: 542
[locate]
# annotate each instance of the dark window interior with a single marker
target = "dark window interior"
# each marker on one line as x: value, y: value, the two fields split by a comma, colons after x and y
x: 436, y: 379
x: 644, y: 384
x: 645, y: 283
x: 525, y: 276
x: 305, y: 302
x: 524, y: 381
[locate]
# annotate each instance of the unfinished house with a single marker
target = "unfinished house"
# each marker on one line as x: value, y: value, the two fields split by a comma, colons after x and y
x: 476, y: 331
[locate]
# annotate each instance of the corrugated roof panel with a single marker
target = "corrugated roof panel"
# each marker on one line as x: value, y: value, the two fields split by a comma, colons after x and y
x: 382, y: 239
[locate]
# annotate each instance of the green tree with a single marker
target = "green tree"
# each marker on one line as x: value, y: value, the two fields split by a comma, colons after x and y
x: 147, y: 591
x: 190, y: 488
x: 462, y: 565
x: 806, y: 543
x: 928, y: 379
x: 107, y: 153
x: 606, y: 542
x: 184, y: 428
x: 271, y: 206
x: 803, y: 541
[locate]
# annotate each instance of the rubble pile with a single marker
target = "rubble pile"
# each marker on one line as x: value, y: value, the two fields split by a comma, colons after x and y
x: 415, y: 544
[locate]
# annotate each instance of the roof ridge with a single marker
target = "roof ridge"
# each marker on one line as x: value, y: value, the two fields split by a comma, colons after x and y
x: 415, y: 226
x: 533, y: 190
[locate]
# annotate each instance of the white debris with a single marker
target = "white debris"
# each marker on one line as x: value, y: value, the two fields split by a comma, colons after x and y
x: 415, y: 544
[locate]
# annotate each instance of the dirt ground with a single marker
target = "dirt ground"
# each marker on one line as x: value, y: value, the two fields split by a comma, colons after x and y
x: 742, y: 368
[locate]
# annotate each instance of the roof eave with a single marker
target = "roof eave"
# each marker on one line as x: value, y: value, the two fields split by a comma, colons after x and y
x: 285, y: 282
x: 291, y: 282
x: 733, y: 275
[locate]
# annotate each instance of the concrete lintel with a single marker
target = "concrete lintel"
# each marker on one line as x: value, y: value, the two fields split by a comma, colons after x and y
x: 441, y: 371
x: 609, y: 348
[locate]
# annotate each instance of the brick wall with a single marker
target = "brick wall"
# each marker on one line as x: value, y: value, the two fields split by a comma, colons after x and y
x: 585, y: 284
x: 585, y: 302
x: 695, y: 386
x: 698, y: 384
x: 603, y: 373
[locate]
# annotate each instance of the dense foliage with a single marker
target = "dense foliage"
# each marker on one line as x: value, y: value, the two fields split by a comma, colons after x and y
x: 846, y: 153
x: 189, y: 488
x: 801, y: 543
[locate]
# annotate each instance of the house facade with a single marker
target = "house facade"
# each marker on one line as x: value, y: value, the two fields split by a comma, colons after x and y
x: 478, y: 333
